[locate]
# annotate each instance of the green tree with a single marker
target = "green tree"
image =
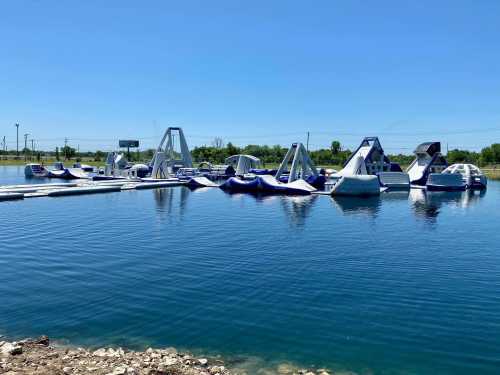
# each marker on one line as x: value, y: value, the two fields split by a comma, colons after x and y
x: 231, y: 149
x: 57, y: 154
x: 495, y: 147
x: 462, y: 156
x: 149, y: 153
x: 98, y: 156
x: 402, y: 159
x: 68, y: 152
x: 487, y: 156
x: 335, y: 147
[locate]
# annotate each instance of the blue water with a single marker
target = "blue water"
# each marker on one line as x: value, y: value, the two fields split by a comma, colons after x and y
x: 402, y: 284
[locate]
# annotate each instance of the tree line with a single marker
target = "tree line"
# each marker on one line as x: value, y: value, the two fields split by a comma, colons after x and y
x: 335, y: 155
x: 268, y: 154
x: 218, y: 152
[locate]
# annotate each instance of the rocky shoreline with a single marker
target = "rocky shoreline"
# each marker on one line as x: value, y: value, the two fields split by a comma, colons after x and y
x: 38, y: 356
x: 41, y: 357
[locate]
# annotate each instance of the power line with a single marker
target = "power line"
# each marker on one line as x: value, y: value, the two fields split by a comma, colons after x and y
x: 280, y: 138
x: 413, y: 134
x: 280, y: 135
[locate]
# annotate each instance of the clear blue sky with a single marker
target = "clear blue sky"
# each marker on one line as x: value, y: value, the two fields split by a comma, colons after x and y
x: 251, y: 71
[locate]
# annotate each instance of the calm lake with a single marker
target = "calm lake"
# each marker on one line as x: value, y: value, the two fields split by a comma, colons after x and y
x: 408, y: 283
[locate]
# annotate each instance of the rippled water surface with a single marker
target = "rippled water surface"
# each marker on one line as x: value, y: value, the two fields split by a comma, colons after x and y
x: 402, y: 284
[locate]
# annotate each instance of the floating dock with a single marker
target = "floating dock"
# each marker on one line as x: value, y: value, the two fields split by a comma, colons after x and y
x: 14, y: 192
x: 84, y: 187
x: 10, y: 196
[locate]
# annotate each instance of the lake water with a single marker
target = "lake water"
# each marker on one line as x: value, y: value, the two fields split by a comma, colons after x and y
x: 401, y: 284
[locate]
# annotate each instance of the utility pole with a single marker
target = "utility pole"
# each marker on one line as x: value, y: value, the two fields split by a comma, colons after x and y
x: 25, y: 144
x: 307, y: 144
x: 17, y: 143
x: 65, y: 149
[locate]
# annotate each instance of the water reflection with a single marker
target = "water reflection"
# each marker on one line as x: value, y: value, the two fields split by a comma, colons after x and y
x: 297, y: 208
x: 259, y: 197
x: 369, y: 206
x: 395, y: 195
x: 425, y: 204
x: 165, y: 197
x: 428, y: 204
x: 198, y: 189
x: 471, y: 197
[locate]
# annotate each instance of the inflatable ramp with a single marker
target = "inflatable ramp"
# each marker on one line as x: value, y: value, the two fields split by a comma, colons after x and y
x: 374, y: 159
x: 428, y: 160
x: 269, y: 185
x: 201, y: 182
x: 235, y: 184
x: 68, y: 174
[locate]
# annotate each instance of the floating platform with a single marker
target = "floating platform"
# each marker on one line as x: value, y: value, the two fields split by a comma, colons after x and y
x: 321, y: 192
x: 13, y: 192
x: 38, y: 186
x: 155, y: 185
x: 84, y: 190
x: 357, y: 186
x: 11, y: 196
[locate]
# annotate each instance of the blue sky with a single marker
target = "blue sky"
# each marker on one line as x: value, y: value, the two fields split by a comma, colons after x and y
x: 251, y: 71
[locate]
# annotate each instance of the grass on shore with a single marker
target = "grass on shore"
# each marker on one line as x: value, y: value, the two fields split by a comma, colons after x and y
x: 493, y: 174
x: 48, y: 162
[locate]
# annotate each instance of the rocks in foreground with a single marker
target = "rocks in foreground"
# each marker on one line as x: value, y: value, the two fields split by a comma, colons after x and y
x: 39, y: 357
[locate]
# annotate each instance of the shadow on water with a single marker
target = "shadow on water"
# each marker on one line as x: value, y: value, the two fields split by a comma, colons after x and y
x: 428, y: 204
